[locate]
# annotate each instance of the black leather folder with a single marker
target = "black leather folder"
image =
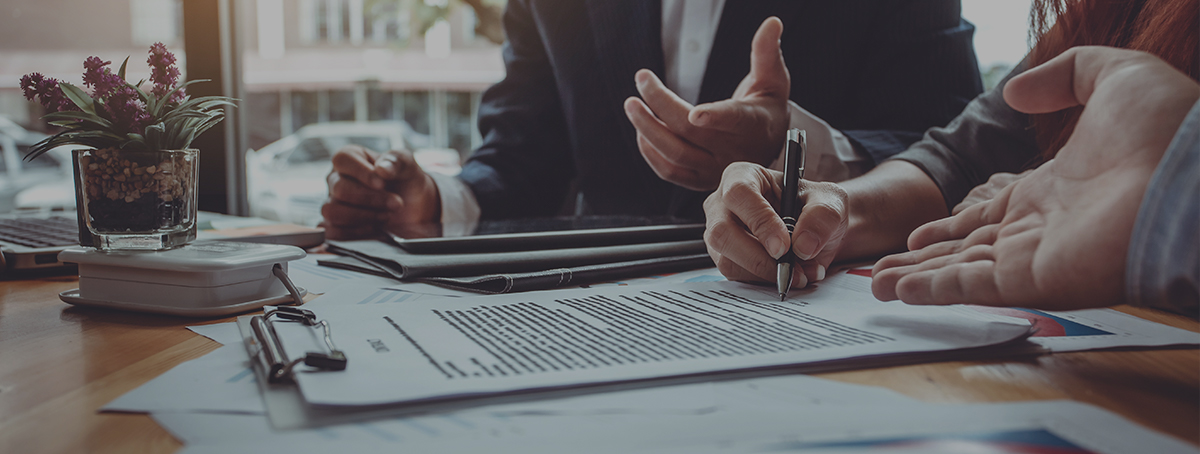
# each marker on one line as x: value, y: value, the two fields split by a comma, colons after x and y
x: 533, y: 241
x: 522, y: 261
x: 405, y: 265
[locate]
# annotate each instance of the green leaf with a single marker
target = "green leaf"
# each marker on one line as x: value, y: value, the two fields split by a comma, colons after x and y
x: 151, y: 103
x: 41, y: 147
x: 78, y: 96
x: 187, y: 142
x: 208, y: 124
x: 171, y: 135
x: 166, y: 97
x: 121, y: 72
x: 134, y: 144
x: 181, y: 114
x: 154, y: 136
x: 92, y: 134
x: 88, y: 138
x: 213, y: 102
x: 96, y: 120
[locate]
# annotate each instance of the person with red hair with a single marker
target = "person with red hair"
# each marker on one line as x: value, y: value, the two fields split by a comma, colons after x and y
x: 1050, y: 238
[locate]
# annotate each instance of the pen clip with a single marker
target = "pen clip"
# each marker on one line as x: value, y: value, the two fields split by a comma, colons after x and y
x: 803, y: 142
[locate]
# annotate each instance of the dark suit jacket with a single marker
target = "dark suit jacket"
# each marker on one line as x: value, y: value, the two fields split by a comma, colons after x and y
x: 881, y: 71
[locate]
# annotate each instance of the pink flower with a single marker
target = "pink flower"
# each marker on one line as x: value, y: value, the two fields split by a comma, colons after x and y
x: 126, y: 111
x: 47, y: 92
x: 163, y: 72
x: 97, y: 75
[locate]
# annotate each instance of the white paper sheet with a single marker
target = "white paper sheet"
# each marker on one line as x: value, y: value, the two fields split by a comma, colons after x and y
x: 224, y: 333
x: 454, y: 347
x: 785, y: 392
x: 700, y: 275
x: 321, y: 279
x: 927, y: 428
x: 1026, y: 427
x: 362, y: 293
x: 197, y: 429
x: 221, y: 381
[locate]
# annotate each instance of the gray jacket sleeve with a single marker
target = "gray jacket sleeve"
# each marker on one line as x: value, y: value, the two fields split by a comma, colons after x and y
x: 1163, y: 263
x: 986, y: 138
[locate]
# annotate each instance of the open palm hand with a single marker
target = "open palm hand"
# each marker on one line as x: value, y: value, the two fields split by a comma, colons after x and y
x: 1057, y: 238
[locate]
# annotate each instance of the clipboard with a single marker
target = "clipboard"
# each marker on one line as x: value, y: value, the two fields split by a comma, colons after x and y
x: 266, y: 347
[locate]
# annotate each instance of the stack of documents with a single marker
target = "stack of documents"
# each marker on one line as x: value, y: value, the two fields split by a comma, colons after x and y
x: 519, y: 262
x: 668, y: 364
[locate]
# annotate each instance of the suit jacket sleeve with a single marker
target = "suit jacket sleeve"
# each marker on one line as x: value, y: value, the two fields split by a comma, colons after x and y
x: 920, y: 71
x: 524, y: 166
x: 988, y: 137
x: 1163, y: 263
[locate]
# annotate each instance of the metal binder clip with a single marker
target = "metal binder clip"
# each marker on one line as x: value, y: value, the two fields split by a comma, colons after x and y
x: 280, y: 366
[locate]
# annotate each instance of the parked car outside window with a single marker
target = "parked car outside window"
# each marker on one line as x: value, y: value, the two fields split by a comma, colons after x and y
x: 44, y: 177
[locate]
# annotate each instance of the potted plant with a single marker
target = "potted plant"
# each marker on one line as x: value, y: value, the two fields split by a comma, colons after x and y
x: 136, y: 171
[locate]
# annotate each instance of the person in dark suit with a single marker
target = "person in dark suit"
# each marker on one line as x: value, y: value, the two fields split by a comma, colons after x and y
x: 556, y: 131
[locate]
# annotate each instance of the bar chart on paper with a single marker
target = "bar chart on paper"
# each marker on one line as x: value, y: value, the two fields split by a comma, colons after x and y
x: 1034, y: 441
x: 1047, y: 325
x: 1063, y: 331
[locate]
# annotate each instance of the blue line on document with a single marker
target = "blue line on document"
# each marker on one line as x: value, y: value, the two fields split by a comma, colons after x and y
x: 240, y: 375
x: 461, y: 422
x: 400, y: 297
x: 371, y: 429
x: 421, y: 427
x: 370, y: 299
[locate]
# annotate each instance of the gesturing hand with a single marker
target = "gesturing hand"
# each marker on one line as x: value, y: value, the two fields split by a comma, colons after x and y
x: 691, y: 146
x: 1057, y: 238
x: 372, y: 193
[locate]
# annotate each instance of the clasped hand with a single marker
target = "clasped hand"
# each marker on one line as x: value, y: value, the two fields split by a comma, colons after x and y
x: 371, y: 194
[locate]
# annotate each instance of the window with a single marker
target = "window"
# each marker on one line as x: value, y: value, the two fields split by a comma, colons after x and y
x: 338, y: 65
x: 1001, y: 29
x: 45, y: 37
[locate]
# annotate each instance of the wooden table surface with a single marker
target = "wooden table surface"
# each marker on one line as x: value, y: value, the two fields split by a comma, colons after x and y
x: 59, y: 364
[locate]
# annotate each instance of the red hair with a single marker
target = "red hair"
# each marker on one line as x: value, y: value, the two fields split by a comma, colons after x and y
x: 1165, y: 28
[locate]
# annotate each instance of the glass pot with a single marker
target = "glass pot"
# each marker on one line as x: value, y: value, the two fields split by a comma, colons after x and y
x: 138, y: 200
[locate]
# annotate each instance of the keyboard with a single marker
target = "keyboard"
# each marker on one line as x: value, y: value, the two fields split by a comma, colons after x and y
x: 40, y: 232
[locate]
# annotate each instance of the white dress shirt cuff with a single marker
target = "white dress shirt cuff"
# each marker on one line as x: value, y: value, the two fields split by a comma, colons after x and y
x: 830, y: 155
x: 460, y: 210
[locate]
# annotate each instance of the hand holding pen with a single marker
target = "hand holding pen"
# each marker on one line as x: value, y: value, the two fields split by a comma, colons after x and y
x: 747, y: 237
x: 789, y: 206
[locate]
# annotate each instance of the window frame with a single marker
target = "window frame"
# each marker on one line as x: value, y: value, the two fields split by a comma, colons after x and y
x: 211, y: 44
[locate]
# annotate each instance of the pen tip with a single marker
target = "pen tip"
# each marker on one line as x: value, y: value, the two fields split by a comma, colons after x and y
x: 782, y: 296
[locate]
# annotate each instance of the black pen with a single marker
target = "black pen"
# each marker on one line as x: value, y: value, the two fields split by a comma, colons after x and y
x: 793, y: 171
